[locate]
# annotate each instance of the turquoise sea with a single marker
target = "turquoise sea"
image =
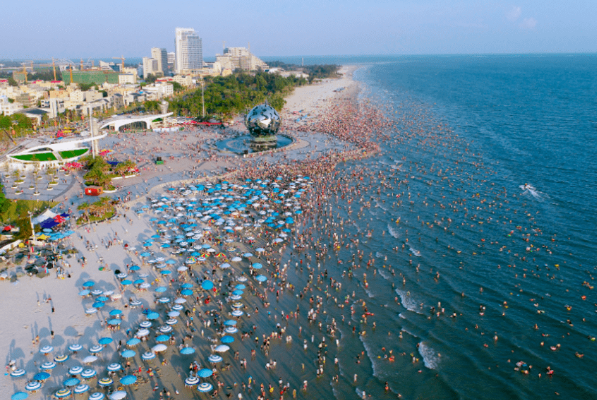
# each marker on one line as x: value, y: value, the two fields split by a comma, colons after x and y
x: 491, y: 172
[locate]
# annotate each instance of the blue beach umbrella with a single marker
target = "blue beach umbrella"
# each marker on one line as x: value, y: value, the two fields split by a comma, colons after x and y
x: 19, y: 396
x: 153, y: 315
x: 105, y: 340
x: 214, y: 358
x: 126, y: 282
x: 88, y: 373
x: 161, y: 289
x: 33, y: 386
x: 205, y: 387
x: 240, y: 286
x: 114, y: 313
x: 261, y: 278
x: 205, y: 373
x: 114, y: 322
x: 191, y: 381
x: 84, y: 292
x: 128, y: 354
x: 237, y: 292
x: 71, y: 382
x: 162, y: 338
x: 105, y: 382
x: 134, y: 268
x: 114, y: 367
x: 98, y: 304
x: 18, y: 373
x: 81, y: 388
x: 227, y: 339
x: 207, y: 285
x: 128, y: 380
x: 230, y: 322
x: 148, y: 356
x: 186, y: 285
x: 47, y: 365
x: 41, y: 376
x: 187, y: 350
x: 75, y: 347
x: 186, y: 292
x: 62, y: 393
x: 88, y: 284
x: 96, y: 349
x: 133, y: 342
x: 96, y: 396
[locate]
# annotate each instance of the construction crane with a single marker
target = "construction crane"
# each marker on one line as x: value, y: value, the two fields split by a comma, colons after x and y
x: 71, y: 73
x: 24, y: 64
x: 120, y: 58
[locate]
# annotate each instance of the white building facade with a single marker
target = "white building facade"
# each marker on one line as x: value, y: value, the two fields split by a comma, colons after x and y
x: 162, y: 56
x: 189, y: 50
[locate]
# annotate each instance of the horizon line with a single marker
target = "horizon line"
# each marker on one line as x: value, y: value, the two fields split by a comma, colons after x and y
x: 333, y: 55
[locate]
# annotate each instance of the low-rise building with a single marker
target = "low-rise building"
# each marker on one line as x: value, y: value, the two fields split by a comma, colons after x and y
x: 8, y: 108
x: 158, y: 91
x: 133, y: 97
x: 184, y: 80
x: 27, y: 100
x: 117, y: 100
x: 53, y: 107
x: 59, y: 94
x: 298, y: 74
x: 124, y: 79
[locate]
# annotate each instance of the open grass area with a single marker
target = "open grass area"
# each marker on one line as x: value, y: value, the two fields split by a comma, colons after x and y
x: 73, y: 153
x: 36, y: 157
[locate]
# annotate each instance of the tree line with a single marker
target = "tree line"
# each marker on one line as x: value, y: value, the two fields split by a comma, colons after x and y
x: 234, y: 94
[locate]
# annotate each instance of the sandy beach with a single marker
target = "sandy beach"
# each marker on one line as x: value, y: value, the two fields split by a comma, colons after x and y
x: 50, y: 311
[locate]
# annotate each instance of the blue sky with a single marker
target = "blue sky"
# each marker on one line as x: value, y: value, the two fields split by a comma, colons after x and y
x: 66, y: 28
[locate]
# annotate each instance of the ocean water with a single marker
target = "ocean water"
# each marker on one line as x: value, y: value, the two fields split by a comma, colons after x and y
x: 481, y: 204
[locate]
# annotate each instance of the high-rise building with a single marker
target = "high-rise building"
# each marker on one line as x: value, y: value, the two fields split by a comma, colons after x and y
x: 171, y: 60
x: 189, y: 51
x: 162, y: 56
x: 150, y: 66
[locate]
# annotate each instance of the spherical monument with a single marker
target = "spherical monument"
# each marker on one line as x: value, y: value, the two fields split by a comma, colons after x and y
x: 263, y: 122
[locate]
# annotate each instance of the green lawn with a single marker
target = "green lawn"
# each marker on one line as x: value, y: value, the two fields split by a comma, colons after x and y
x: 72, y: 153
x: 36, y: 157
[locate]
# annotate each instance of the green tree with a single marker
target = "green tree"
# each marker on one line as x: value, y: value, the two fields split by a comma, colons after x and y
x: 177, y: 87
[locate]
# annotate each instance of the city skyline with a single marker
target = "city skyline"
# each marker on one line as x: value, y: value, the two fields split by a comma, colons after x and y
x: 318, y: 28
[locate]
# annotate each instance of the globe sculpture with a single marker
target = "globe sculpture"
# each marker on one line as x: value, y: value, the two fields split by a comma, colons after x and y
x: 263, y: 122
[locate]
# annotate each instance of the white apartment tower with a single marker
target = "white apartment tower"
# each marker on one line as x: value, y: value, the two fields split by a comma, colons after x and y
x: 188, y: 50
x: 150, y: 66
x: 162, y: 56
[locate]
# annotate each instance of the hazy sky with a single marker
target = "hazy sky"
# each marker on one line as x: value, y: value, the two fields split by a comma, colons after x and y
x: 68, y: 28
